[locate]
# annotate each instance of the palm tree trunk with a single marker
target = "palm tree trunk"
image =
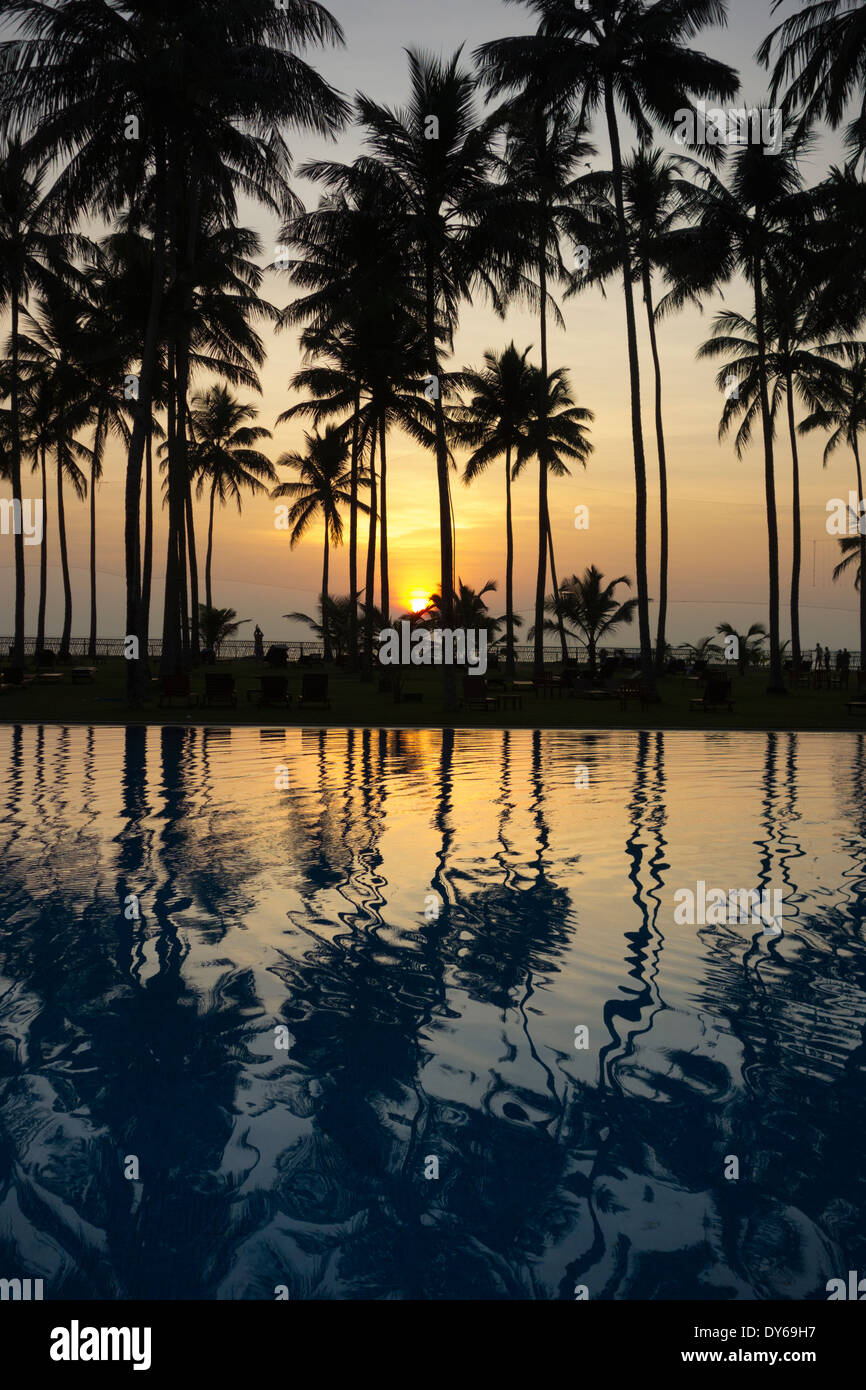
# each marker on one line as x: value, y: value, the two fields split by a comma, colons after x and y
x: 777, y: 685
x: 171, y: 657
x: 207, y: 564
x: 663, y: 476
x: 193, y: 572
x: 43, y: 556
x: 15, y: 479
x: 543, y: 521
x: 559, y: 622
x: 147, y: 566
x: 647, y: 666
x: 385, y: 589
x: 446, y: 541
x: 862, y: 558
x: 353, y: 533
x: 509, y: 570
x: 797, y: 533
x: 136, y: 671
x: 94, y: 470
x: 369, y: 597
x: 64, y: 559
x: 326, y: 630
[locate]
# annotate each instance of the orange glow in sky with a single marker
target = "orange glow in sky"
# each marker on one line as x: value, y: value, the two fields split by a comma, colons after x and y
x: 418, y: 600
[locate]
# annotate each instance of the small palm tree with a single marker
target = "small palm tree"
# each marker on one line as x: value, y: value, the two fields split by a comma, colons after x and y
x: 470, y: 611
x: 704, y: 648
x: 749, y: 644
x: 323, y: 486
x: 218, y: 625
x: 222, y: 456
x: 590, y: 608
x: 334, y: 623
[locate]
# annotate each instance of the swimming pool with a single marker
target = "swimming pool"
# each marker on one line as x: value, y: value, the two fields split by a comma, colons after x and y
x: 388, y: 1013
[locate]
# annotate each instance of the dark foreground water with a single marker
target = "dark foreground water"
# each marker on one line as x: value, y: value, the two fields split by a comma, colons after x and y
x: 336, y: 987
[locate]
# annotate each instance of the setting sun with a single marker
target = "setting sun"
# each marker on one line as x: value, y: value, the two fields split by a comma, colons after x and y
x: 418, y: 600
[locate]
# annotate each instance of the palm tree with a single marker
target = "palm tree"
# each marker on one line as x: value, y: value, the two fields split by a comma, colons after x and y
x: 757, y: 221
x: 793, y: 369
x: 321, y: 489
x: 704, y: 648
x: 555, y: 433
x: 333, y: 624
x: 592, y: 609
x: 55, y: 344
x: 32, y: 253
x: 821, y: 56
x: 352, y: 265
x: 842, y: 412
x: 749, y: 643
x: 495, y: 421
x: 209, y: 87
x: 438, y: 190
x: 218, y: 625
x: 593, y: 55
x: 544, y: 145
x: 660, y: 241
x: 470, y: 611
x: 223, y: 458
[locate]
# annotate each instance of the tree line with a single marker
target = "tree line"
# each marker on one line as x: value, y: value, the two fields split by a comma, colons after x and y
x: 153, y: 118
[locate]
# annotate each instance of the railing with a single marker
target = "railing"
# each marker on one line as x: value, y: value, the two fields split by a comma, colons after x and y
x: 238, y: 648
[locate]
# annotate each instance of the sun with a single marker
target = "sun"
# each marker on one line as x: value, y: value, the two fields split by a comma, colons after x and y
x: 418, y: 600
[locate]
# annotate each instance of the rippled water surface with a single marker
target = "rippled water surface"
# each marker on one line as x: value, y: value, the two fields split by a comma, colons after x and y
x: 428, y: 918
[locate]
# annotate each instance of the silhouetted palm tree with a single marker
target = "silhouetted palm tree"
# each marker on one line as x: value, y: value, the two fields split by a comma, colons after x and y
x: 191, y: 100
x: 223, y: 458
x: 757, y: 221
x: 496, y: 421
x: 321, y: 489
x: 592, y: 609
x: 32, y: 253
x: 557, y: 433
x: 439, y: 193
x: 595, y: 55
x: 749, y: 643
x: 792, y: 368
x: 820, y: 61
x: 842, y: 412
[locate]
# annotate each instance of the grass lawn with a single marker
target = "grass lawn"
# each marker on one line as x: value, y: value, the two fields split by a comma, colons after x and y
x: 359, y: 703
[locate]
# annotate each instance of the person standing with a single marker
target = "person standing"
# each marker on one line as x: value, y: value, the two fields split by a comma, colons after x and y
x: 259, y: 643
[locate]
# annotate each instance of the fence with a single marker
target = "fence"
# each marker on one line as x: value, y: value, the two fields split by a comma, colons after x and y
x: 239, y: 648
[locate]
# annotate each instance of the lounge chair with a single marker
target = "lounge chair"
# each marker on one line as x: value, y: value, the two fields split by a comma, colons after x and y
x: 632, y: 690
x: 82, y: 675
x: 219, y: 689
x: 476, y: 695
x: 273, y: 690
x: 176, y: 687
x: 314, y: 691
x: 716, y: 693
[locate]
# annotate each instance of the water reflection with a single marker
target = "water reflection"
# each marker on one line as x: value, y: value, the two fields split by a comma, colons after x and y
x: 430, y: 916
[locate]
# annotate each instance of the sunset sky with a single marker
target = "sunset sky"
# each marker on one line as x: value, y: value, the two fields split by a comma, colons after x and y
x: 718, y: 524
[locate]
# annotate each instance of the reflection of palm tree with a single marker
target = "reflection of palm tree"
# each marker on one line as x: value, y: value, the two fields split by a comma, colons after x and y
x: 647, y: 814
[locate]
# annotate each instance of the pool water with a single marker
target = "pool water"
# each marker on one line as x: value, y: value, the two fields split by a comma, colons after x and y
x: 353, y: 1014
